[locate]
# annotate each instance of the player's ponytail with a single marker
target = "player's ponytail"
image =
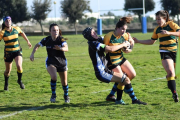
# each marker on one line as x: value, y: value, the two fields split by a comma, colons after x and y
x: 123, y: 21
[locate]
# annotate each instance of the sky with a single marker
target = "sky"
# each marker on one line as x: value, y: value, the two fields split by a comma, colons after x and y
x: 96, y: 5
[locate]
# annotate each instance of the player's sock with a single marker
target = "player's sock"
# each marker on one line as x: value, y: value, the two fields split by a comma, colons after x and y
x: 172, y: 84
x: 6, y: 78
x: 129, y: 90
x: 120, y: 90
x: 66, y: 89
x: 19, y: 74
x: 53, y: 87
x: 113, y: 90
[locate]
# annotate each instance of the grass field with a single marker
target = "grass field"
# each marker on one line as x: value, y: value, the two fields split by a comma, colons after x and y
x: 86, y: 92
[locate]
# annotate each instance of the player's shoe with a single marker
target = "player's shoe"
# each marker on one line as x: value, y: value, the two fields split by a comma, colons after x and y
x: 5, y: 87
x: 120, y: 102
x: 138, y: 102
x: 111, y: 98
x: 53, y: 98
x: 67, y: 99
x: 175, y: 97
x: 21, y: 85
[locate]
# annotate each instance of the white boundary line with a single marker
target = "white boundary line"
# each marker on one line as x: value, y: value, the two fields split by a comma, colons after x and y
x: 11, y: 114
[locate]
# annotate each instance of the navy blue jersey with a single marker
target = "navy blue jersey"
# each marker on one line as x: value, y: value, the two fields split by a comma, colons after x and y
x: 55, y: 57
x: 96, y: 53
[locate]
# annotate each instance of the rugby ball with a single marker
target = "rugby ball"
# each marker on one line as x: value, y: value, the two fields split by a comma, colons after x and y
x: 128, y: 44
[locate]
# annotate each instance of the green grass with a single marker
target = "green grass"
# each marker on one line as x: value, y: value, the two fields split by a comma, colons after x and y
x: 86, y: 92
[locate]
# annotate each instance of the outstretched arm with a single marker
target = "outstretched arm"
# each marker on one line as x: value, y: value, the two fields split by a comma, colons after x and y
x: 146, y: 42
x: 63, y: 48
x: 25, y: 37
x: 34, y: 50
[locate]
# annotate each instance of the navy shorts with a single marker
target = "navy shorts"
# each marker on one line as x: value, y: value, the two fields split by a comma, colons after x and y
x: 104, y: 75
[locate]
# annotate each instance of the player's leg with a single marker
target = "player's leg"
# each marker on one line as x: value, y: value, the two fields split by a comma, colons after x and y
x: 52, y: 72
x: 168, y: 65
x: 63, y: 76
x: 18, y: 60
x: 128, y: 69
x: 124, y: 80
x: 7, y: 74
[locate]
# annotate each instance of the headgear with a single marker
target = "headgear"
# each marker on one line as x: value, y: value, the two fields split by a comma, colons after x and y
x: 6, y: 17
x: 87, y: 34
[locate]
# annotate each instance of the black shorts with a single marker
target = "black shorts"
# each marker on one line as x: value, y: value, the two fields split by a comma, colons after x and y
x: 59, y: 69
x: 168, y: 55
x: 8, y: 57
x: 114, y: 66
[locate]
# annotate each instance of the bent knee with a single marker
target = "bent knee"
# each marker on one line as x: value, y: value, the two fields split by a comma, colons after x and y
x: 7, y: 72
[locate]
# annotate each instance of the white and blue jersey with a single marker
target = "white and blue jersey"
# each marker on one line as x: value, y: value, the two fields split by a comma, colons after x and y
x: 55, y: 57
x: 96, y: 53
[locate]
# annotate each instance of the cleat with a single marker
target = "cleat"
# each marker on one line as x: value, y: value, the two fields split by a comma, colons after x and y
x: 53, y: 99
x: 67, y: 99
x: 5, y: 87
x: 21, y: 85
x: 175, y: 97
x: 111, y: 98
x: 138, y: 102
x: 120, y: 102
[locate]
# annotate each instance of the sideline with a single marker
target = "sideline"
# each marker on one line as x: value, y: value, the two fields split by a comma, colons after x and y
x: 11, y: 114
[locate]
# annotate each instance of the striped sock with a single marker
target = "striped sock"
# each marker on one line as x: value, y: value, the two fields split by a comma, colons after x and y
x: 66, y: 89
x: 114, y: 89
x: 129, y: 90
x: 53, y: 87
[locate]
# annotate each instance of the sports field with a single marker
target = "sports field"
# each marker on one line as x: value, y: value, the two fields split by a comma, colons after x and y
x: 86, y: 92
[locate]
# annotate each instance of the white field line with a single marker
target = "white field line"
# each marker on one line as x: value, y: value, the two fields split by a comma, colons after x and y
x: 11, y: 114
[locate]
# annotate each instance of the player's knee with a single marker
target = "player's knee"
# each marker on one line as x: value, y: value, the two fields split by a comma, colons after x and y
x: 127, y: 81
x: 7, y: 72
x: 53, y: 77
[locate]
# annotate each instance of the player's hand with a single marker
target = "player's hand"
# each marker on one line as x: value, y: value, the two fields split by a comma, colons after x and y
x: 135, y: 40
x: 164, y: 32
x: 29, y: 44
x: 32, y: 57
x: 56, y: 47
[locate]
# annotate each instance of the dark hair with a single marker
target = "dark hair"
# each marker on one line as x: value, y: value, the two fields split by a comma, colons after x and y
x: 123, y: 21
x: 164, y: 14
x: 87, y: 34
x: 3, y: 26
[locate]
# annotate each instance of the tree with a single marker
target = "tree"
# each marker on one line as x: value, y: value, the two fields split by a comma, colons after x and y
x: 40, y: 11
x: 149, y: 6
x: 73, y: 9
x: 17, y: 9
x: 172, y: 6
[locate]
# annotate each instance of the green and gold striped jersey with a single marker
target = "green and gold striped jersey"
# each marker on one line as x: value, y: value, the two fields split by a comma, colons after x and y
x: 111, y: 40
x: 11, y: 39
x: 168, y: 43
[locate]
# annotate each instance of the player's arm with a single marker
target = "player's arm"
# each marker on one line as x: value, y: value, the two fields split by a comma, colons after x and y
x: 34, y: 50
x: 116, y: 47
x: 177, y: 33
x: 146, y: 42
x: 24, y: 36
x: 131, y: 41
x: 63, y: 48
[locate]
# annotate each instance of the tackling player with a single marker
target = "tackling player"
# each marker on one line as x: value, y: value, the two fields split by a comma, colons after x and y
x: 96, y: 53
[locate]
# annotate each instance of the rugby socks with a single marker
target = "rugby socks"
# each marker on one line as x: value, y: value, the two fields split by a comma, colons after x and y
x: 172, y: 84
x: 113, y: 90
x: 6, y: 78
x: 120, y: 90
x: 66, y: 89
x: 53, y: 87
x: 129, y: 90
x: 19, y: 74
